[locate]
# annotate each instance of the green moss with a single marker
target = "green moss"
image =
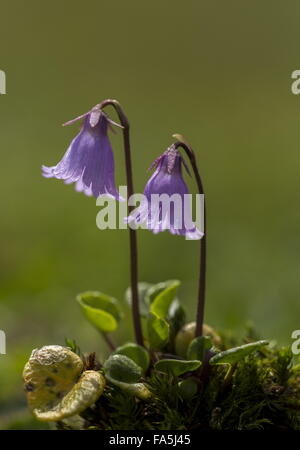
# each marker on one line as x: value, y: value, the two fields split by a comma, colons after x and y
x: 261, y: 392
x: 243, y: 391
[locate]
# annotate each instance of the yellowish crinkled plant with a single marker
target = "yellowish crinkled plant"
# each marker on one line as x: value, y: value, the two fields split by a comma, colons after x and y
x: 56, y: 385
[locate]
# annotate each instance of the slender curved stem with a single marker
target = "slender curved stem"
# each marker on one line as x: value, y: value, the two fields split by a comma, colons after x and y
x: 132, y: 233
x: 202, y: 267
x: 109, y: 341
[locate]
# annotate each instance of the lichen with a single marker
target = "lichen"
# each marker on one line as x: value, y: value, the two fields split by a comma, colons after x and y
x: 57, y: 386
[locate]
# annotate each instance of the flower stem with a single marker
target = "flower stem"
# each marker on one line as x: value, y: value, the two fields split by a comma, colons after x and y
x: 109, y: 341
x: 132, y: 233
x: 202, y: 267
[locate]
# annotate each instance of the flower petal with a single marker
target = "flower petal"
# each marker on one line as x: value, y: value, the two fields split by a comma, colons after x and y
x: 89, y: 160
x: 167, y: 184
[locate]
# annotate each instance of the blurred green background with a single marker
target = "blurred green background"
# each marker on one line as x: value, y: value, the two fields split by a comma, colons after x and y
x: 217, y: 72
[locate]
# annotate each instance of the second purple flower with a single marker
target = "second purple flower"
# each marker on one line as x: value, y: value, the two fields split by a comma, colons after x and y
x: 168, y: 205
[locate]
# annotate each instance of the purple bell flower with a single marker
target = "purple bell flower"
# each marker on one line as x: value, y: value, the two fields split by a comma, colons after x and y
x: 167, y: 184
x: 89, y: 160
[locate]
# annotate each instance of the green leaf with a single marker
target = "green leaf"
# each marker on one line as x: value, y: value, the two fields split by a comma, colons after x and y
x: 71, y: 343
x: 161, y: 297
x: 158, y: 332
x: 198, y: 347
x: 176, y: 367
x: 125, y: 373
x: 121, y: 368
x: 153, y: 291
x: 176, y: 316
x: 188, y: 388
x: 235, y: 354
x: 142, y: 289
x: 100, y: 309
x: 135, y: 352
x: 149, y: 292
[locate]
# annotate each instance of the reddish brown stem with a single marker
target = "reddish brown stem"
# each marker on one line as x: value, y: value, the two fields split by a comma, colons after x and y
x: 202, y: 266
x: 132, y: 233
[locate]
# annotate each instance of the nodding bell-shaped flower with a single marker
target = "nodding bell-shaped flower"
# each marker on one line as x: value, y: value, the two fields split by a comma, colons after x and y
x: 89, y: 160
x: 168, y: 205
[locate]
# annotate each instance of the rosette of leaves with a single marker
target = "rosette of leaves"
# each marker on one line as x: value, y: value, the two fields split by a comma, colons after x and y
x: 57, y: 386
x: 162, y: 311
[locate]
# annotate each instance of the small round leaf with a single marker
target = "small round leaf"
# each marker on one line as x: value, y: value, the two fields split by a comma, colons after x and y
x: 135, y: 352
x: 121, y: 368
x: 161, y: 297
x: 177, y: 367
x: 176, y: 316
x: 125, y: 373
x: 142, y: 290
x: 187, y: 333
x: 188, y: 388
x: 198, y: 347
x: 100, y: 309
x: 158, y: 332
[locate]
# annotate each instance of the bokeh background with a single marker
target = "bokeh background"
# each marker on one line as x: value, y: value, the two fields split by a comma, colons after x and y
x: 217, y: 72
